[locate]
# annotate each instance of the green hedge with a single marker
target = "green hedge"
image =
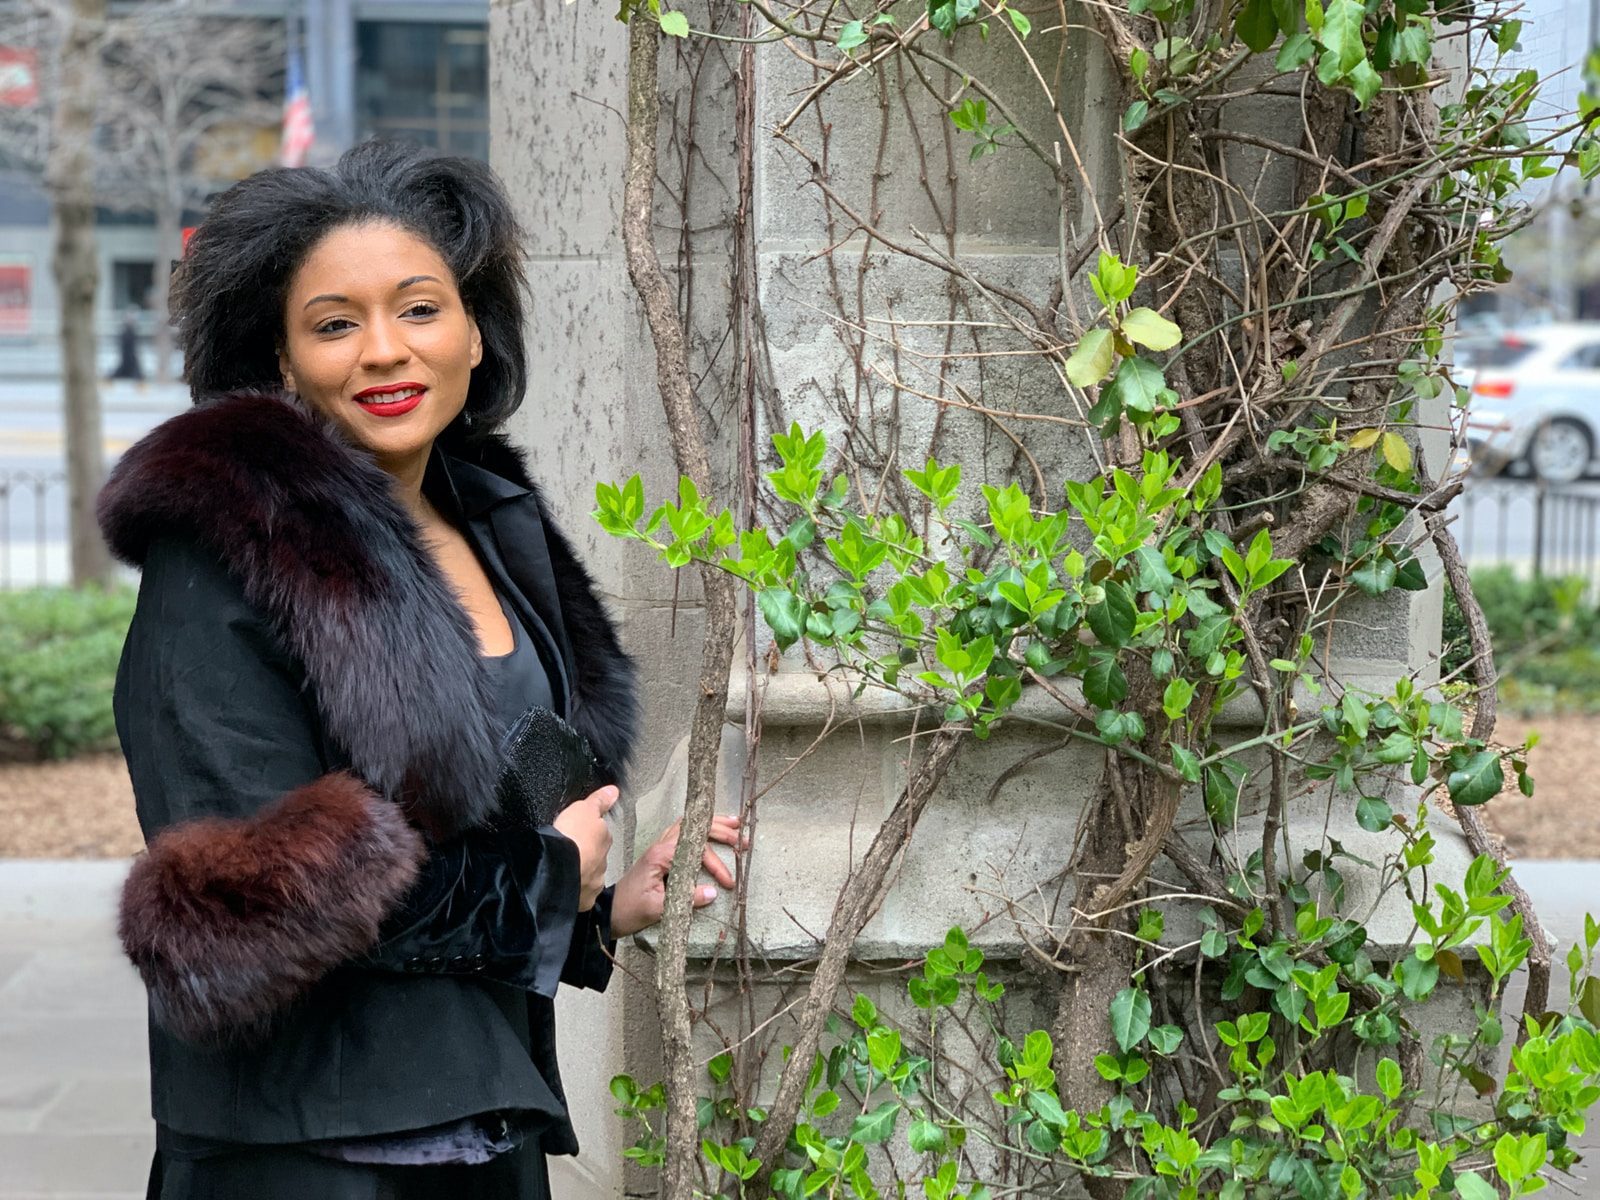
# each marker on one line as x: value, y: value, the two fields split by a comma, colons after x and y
x: 1546, y: 636
x: 58, y: 662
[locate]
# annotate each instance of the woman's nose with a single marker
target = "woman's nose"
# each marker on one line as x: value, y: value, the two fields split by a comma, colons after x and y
x: 384, y: 345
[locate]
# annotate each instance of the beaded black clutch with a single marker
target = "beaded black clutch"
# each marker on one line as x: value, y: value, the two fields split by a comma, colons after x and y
x: 546, y: 765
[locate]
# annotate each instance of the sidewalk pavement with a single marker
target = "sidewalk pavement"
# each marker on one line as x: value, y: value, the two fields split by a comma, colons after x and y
x: 74, y: 1085
x: 74, y: 1079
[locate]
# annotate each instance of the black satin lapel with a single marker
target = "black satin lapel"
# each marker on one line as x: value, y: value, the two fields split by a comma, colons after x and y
x: 511, y: 538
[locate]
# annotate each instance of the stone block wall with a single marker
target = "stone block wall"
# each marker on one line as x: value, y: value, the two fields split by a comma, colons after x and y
x: 827, y: 301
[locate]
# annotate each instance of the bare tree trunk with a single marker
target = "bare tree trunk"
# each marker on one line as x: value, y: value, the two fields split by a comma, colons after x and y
x: 77, y: 274
x: 169, y: 245
x: 673, y: 378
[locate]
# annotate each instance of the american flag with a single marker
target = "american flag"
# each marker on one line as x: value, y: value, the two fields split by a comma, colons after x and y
x: 298, y: 133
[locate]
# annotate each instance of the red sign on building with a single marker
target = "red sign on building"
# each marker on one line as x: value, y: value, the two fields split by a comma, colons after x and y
x: 16, y: 297
x: 19, y: 78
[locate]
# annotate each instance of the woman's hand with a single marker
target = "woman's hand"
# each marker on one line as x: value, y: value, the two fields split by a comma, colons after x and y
x: 585, y: 823
x: 641, y: 894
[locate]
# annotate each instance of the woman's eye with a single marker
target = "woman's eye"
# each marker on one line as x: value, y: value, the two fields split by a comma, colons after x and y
x: 422, y: 308
x: 335, y: 325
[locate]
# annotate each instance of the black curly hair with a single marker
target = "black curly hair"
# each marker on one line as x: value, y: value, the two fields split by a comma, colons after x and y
x: 229, y: 291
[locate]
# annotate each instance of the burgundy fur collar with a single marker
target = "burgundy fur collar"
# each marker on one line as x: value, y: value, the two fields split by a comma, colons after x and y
x: 309, y: 526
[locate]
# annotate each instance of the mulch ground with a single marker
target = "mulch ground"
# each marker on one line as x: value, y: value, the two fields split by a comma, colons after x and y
x: 1562, y: 818
x: 84, y: 808
x: 77, y: 809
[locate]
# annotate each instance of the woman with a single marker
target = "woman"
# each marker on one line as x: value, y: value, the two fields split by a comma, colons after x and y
x: 349, y: 593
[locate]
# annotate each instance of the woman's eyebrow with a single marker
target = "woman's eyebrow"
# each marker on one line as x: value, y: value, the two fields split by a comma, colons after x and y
x: 410, y: 281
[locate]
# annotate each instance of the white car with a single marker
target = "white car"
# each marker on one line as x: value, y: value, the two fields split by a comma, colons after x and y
x: 1535, y: 405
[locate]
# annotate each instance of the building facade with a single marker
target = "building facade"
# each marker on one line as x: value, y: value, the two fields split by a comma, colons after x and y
x: 373, y: 68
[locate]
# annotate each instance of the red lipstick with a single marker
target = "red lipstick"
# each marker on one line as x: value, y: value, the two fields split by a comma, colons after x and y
x: 391, y: 399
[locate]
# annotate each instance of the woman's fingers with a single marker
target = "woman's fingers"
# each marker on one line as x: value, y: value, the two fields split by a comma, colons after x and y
x: 724, y: 829
x: 716, y: 868
x: 704, y: 896
x: 606, y: 798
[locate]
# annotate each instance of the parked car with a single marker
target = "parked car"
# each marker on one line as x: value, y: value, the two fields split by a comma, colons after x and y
x: 1535, y: 405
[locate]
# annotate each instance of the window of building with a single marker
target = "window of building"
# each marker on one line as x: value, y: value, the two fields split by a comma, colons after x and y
x: 425, y: 82
x: 132, y: 284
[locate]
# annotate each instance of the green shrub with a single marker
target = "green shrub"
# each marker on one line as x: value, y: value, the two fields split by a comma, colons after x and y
x: 58, y: 662
x: 1546, y: 636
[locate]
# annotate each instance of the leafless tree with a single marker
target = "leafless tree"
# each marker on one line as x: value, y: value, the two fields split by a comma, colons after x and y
x: 147, y: 111
x: 52, y: 139
x: 190, y: 101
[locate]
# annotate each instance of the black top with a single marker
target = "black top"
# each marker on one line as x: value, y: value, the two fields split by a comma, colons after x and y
x: 519, y: 679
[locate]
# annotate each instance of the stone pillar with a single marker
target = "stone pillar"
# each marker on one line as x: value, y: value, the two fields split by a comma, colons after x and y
x: 827, y: 301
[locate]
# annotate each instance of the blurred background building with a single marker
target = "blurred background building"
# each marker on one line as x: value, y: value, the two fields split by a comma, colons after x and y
x: 1556, y: 260
x: 399, y: 68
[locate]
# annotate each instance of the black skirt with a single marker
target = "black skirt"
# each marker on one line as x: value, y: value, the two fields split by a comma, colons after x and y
x: 285, y: 1173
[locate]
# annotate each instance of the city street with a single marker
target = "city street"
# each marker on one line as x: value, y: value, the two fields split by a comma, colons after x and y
x: 33, y: 495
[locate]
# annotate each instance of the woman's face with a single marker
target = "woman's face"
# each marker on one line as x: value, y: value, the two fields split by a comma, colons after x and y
x: 377, y: 338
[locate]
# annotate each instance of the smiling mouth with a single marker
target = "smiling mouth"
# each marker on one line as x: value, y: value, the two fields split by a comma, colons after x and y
x: 389, y: 396
x: 392, y: 400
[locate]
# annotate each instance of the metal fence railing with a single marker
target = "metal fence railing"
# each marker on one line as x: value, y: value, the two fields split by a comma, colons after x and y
x: 1535, y: 529
x: 33, y: 528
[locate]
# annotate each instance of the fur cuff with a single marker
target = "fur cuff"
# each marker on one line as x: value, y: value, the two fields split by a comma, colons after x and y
x: 229, y: 921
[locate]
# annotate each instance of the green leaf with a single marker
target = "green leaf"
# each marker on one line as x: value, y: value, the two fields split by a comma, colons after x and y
x: 1092, y: 360
x: 1207, y: 637
x: 1154, y: 575
x: 1114, y: 618
x: 1365, y: 83
x: 1221, y: 795
x: 1375, y: 576
x: 1149, y: 328
x: 1164, y: 1039
x: 1187, y: 762
x: 1373, y: 814
x: 675, y: 24
x: 1104, y: 684
x: 1342, y: 44
x: 1137, y: 386
x: 1475, y: 1187
x: 1390, y: 1080
x: 1176, y: 698
x: 1355, y: 713
x: 1130, y: 1018
x: 864, y: 1012
x: 926, y: 1137
x: 1479, y: 781
x: 1020, y: 22
x: 1589, y: 1000
x: 1257, y: 24
x: 876, y: 1126
x: 1418, y: 978
x: 1136, y: 114
x: 785, y: 615
x: 852, y: 35
x: 1297, y: 50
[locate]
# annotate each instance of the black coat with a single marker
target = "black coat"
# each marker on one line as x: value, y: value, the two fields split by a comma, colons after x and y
x: 307, y: 724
